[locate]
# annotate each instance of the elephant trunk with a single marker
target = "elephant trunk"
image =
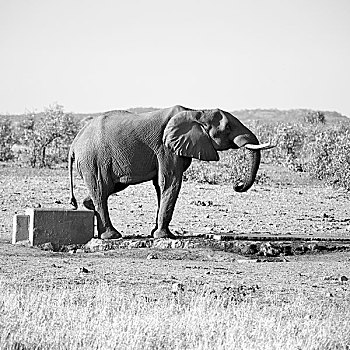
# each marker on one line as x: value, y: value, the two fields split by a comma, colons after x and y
x: 254, y: 160
x: 249, y: 141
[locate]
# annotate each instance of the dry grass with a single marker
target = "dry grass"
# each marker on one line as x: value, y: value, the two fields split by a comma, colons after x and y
x: 102, y: 317
x: 46, y: 304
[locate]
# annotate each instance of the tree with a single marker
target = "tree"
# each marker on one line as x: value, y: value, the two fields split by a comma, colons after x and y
x: 6, y: 140
x: 51, y: 129
x: 315, y: 118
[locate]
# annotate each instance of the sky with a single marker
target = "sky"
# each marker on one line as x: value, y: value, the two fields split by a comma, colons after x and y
x: 94, y: 56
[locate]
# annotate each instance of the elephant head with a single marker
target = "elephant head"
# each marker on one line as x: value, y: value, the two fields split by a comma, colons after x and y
x: 200, y: 134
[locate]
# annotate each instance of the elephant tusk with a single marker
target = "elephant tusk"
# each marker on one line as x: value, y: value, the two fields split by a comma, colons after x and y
x: 262, y: 146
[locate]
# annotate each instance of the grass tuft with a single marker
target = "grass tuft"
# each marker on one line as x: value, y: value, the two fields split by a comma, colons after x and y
x: 102, y: 317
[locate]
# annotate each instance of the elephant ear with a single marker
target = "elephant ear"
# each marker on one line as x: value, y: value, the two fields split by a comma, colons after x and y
x: 185, y: 136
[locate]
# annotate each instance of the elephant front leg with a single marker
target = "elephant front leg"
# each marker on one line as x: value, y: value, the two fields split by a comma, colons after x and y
x: 169, y: 188
x: 157, y: 188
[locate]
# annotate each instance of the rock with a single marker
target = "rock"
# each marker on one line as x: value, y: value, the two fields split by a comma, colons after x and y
x: 94, y: 245
x: 233, y: 247
x: 187, y: 244
x: 47, y: 246
x: 177, y: 288
x: 202, y: 203
x: 301, y: 248
x: 247, y: 260
x: 162, y: 243
x: 83, y: 270
x: 267, y: 249
x: 177, y: 244
x: 249, y: 249
x: 181, y: 232
x: 343, y: 279
x: 137, y: 244
x: 331, y: 278
x: 25, y: 243
x: 287, y: 249
x: 71, y: 248
x: 152, y: 256
x: 315, y: 247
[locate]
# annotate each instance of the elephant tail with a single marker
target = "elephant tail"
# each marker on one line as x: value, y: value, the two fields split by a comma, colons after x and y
x: 73, y: 201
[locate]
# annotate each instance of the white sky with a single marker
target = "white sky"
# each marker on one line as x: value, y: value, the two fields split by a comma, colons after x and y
x: 92, y: 56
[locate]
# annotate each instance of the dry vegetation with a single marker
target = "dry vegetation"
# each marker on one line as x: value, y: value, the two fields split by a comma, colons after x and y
x: 123, y: 300
x: 102, y: 317
x: 189, y: 298
x: 310, y: 141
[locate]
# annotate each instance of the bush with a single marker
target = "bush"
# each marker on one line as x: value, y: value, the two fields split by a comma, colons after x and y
x: 313, y: 117
x: 289, y: 138
x: 6, y: 140
x: 320, y: 149
x: 45, y: 138
x: 327, y: 157
x: 229, y: 169
x: 314, y: 146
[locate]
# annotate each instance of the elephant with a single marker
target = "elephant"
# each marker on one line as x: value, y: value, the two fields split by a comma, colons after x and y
x: 119, y: 148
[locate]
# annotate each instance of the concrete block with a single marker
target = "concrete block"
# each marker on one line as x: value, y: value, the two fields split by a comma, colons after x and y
x: 20, y: 228
x: 60, y: 226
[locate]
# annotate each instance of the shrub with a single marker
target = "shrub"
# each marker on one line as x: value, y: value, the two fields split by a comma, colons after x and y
x: 45, y: 137
x: 312, y: 145
x: 321, y: 149
x: 229, y: 169
x: 327, y: 156
x: 6, y: 140
x: 314, y: 117
x: 289, y: 138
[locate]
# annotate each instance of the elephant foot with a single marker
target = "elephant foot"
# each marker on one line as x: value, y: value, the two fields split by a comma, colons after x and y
x: 162, y: 233
x: 74, y: 203
x: 88, y: 203
x: 111, y: 234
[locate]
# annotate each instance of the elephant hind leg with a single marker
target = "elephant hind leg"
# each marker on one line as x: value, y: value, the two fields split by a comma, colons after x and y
x: 98, y: 201
x: 88, y: 202
x: 104, y: 225
x: 109, y: 232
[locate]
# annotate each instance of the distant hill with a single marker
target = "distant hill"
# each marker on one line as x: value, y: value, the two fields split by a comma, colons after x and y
x: 263, y: 115
x: 290, y: 115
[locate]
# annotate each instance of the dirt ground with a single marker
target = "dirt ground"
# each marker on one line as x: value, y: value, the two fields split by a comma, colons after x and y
x: 285, y: 203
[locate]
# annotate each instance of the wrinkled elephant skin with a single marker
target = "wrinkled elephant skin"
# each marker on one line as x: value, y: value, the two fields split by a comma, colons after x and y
x: 119, y: 148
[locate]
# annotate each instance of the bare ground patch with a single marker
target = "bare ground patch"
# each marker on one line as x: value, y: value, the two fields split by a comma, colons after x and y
x: 284, y: 203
